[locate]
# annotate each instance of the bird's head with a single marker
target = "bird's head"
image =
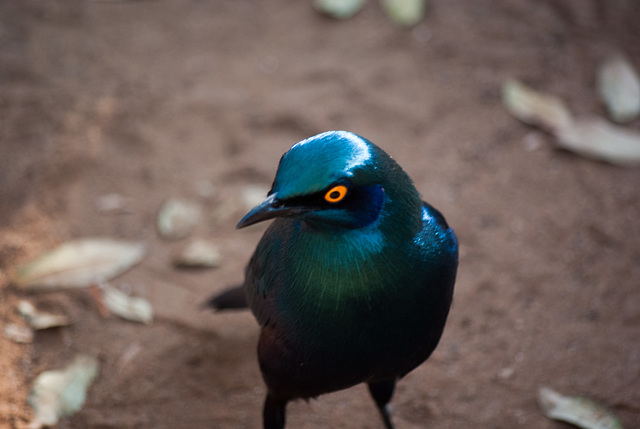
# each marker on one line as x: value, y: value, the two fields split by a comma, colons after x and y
x: 336, y: 179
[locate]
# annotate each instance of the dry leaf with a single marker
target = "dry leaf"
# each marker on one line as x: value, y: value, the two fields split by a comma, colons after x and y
x: 198, y: 253
x: 535, y: 108
x: 619, y: 87
x: 405, y: 12
x: 581, y: 412
x: 80, y: 263
x: 18, y: 333
x: 599, y: 139
x: 341, y: 9
x: 590, y: 137
x: 40, y: 320
x: 125, y: 306
x: 178, y: 218
x: 58, y: 393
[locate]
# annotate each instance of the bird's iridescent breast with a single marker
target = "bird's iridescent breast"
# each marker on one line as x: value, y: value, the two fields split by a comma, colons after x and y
x: 367, y: 292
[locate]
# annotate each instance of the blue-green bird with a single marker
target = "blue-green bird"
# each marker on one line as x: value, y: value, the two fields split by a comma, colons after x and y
x: 352, y: 282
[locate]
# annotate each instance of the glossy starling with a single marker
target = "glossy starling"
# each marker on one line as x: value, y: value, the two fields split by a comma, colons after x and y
x: 352, y: 282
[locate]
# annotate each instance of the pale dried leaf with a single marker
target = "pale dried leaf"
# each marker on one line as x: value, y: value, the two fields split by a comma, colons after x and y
x: 405, y: 12
x: 619, y: 87
x: 41, y: 320
x: 177, y: 219
x: 198, y: 253
x: 62, y: 392
x: 581, y: 412
x: 535, y: 108
x: 18, y: 333
x: 341, y: 9
x: 80, y: 263
x: 599, y: 139
x: 125, y: 306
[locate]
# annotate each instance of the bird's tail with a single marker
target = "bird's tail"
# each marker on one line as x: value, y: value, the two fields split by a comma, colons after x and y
x: 233, y: 298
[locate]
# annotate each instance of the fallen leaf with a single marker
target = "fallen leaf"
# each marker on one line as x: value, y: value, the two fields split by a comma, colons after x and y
x: 619, y: 87
x: 125, y: 306
x: 178, y: 218
x: 80, y: 263
x: 580, y: 412
x: 590, y: 137
x: 62, y: 392
x: 198, y: 253
x: 340, y: 9
x: 599, y: 139
x: 535, y: 108
x: 18, y: 333
x: 41, y: 320
x: 405, y: 12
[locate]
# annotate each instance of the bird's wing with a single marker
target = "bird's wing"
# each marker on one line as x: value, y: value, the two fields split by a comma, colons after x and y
x: 433, y: 212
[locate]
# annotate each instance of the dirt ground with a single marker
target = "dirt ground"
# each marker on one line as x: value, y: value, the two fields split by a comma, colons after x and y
x: 199, y: 99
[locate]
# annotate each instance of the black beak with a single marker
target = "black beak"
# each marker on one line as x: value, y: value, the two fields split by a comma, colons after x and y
x: 268, y: 209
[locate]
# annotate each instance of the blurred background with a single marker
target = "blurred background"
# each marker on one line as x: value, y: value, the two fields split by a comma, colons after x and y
x: 108, y: 109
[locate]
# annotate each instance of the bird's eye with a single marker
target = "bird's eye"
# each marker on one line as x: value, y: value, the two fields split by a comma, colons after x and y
x: 336, y: 194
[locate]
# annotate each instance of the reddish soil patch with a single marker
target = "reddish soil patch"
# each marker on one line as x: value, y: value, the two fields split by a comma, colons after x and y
x: 149, y: 99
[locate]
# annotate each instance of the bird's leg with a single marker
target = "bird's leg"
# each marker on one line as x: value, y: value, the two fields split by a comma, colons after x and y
x: 382, y: 391
x: 274, y: 412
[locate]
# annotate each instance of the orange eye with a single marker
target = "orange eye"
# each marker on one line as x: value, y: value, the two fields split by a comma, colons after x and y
x: 336, y: 194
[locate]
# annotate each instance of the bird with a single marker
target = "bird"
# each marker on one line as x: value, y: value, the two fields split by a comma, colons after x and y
x: 353, y: 280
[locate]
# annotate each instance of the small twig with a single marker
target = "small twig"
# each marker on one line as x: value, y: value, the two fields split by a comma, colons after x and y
x: 96, y: 294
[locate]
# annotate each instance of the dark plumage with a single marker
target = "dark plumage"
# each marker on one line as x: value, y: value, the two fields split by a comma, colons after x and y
x: 353, y: 281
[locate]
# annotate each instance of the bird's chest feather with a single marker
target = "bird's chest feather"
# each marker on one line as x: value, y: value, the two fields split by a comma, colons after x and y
x: 343, y: 303
x: 328, y: 273
x: 345, y: 288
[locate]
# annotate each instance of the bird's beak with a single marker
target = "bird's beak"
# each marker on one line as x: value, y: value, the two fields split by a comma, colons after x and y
x: 268, y: 209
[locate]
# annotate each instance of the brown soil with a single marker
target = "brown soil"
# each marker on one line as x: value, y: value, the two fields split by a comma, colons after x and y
x: 151, y: 99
